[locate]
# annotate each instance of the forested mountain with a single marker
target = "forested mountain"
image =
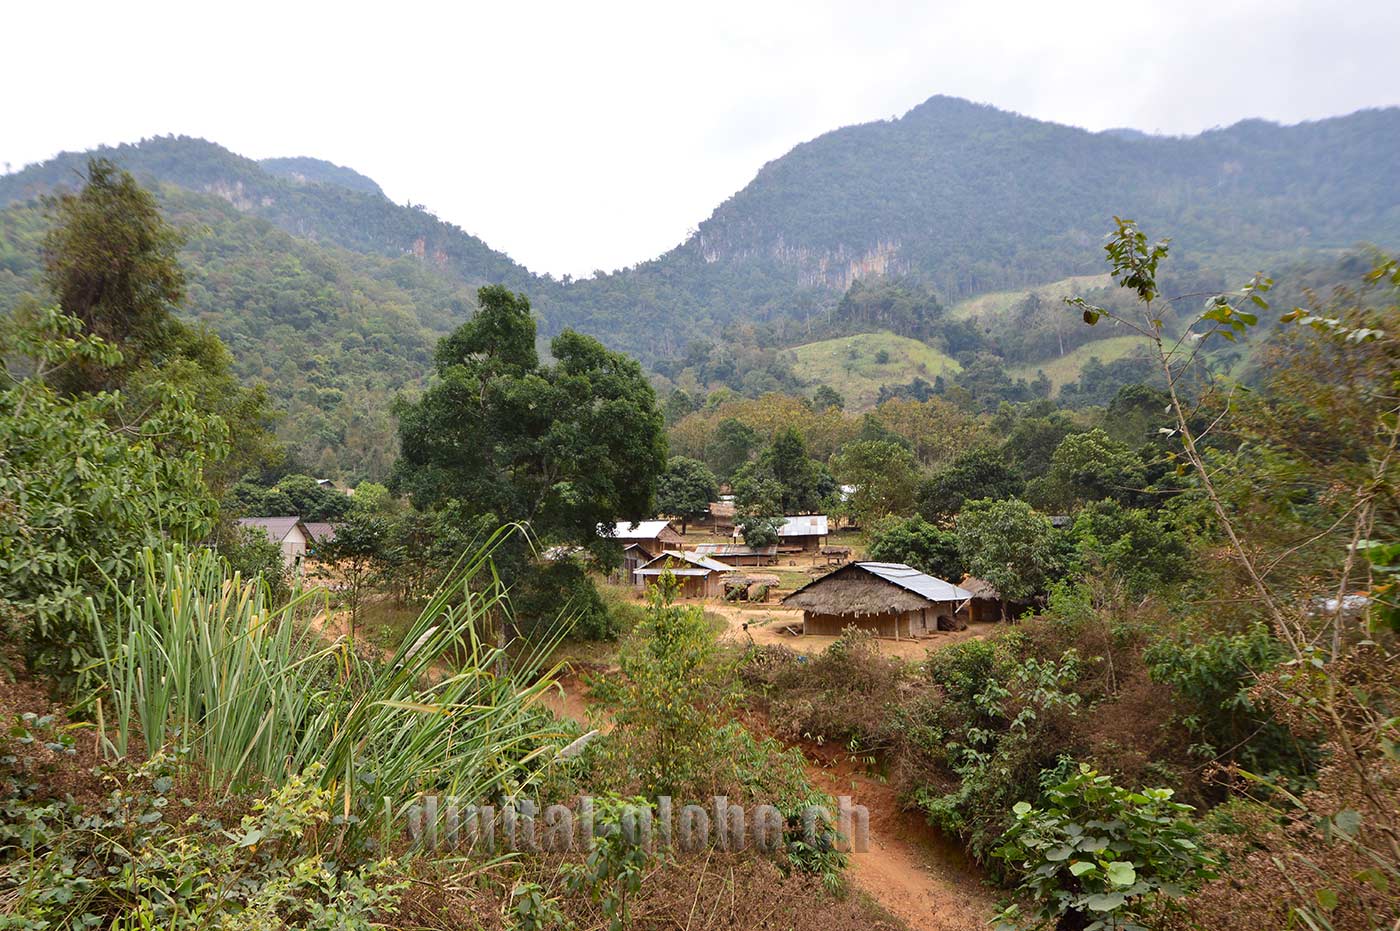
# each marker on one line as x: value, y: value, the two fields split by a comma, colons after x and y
x: 335, y: 294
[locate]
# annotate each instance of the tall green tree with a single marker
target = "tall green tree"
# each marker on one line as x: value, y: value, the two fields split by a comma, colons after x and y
x: 565, y: 446
x: 85, y: 483
x: 977, y: 473
x: 686, y: 489
x: 1009, y: 544
x: 1089, y: 467
x: 111, y: 261
x: 920, y: 544
x: 731, y: 446
x: 884, y: 478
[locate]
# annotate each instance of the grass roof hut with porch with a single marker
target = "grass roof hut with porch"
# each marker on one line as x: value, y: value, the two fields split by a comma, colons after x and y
x: 887, y: 599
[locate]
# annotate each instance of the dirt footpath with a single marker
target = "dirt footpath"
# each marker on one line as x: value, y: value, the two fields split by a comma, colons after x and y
x: 912, y: 871
x: 766, y: 624
x: 915, y: 873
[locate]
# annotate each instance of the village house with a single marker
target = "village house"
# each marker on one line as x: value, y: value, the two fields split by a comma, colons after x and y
x: 805, y: 533
x: 653, y: 537
x: 287, y: 532
x: 320, y: 532
x: 740, y: 554
x: 887, y: 599
x: 696, y: 576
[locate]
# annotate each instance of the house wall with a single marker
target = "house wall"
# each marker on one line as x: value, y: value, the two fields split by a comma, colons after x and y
x: 294, y: 547
x: 809, y: 543
x: 894, y: 624
x: 692, y: 586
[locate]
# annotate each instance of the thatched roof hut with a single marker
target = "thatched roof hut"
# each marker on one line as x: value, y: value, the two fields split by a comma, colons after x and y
x: 891, y: 599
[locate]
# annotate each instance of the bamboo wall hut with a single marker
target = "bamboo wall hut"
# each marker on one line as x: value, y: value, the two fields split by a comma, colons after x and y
x: 986, y: 603
x: 696, y: 576
x: 888, y: 599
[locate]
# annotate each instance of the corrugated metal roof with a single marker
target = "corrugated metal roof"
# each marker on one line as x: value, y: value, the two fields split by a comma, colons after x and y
x: 695, y: 559
x: 913, y: 580
x: 321, y: 531
x: 735, y: 549
x: 276, y: 528
x: 642, y: 530
x: 803, y: 525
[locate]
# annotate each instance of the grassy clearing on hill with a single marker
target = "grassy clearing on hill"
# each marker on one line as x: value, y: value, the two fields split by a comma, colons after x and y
x: 1066, y: 368
x: 853, y: 364
x: 999, y: 302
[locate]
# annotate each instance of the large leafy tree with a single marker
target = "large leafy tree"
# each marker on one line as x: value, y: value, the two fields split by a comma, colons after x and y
x: 918, y: 543
x: 686, y: 489
x: 110, y: 260
x: 802, y: 483
x: 1089, y: 467
x: 979, y: 473
x: 884, y: 479
x: 1009, y: 544
x: 565, y: 446
x: 730, y: 447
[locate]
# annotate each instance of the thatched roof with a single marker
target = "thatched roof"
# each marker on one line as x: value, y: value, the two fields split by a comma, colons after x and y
x: 981, y: 589
x: 863, y: 589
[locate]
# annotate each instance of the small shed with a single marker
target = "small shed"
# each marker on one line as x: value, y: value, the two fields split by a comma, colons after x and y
x: 750, y: 586
x: 287, y: 532
x: 739, y: 554
x: 836, y: 555
x: 888, y: 599
x: 722, y: 515
x: 987, y: 603
x: 805, y: 533
x: 697, y: 576
x: 634, y: 556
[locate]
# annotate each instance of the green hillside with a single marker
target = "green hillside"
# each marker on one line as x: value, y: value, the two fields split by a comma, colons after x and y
x: 1067, y: 368
x: 997, y: 303
x: 858, y: 365
x: 334, y: 295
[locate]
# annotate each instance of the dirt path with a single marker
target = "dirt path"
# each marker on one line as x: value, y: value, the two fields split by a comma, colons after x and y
x: 910, y: 870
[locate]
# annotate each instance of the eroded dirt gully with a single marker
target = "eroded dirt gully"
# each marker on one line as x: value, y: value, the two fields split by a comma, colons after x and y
x: 913, y: 872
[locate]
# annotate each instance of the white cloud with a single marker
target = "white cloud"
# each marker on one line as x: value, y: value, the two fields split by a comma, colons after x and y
x: 579, y: 136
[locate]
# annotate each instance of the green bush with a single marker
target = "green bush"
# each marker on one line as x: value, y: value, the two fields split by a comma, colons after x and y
x: 1212, y: 677
x: 1096, y: 856
x: 145, y: 861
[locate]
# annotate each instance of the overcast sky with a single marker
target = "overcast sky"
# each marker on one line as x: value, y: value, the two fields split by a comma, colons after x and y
x: 587, y: 135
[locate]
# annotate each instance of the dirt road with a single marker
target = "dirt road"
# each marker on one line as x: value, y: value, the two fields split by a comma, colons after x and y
x: 913, y: 872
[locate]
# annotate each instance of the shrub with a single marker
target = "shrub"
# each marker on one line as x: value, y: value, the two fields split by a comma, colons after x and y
x: 1212, y: 678
x: 1097, y: 856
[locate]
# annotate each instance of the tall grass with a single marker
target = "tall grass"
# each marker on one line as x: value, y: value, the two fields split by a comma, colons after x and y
x: 200, y: 661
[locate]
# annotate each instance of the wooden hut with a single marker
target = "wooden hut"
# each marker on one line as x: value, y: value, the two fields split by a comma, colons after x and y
x: 888, y: 599
x: 653, y: 536
x: 802, y: 533
x: 722, y: 515
x: 696, y: 576
x: 986, y: 603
